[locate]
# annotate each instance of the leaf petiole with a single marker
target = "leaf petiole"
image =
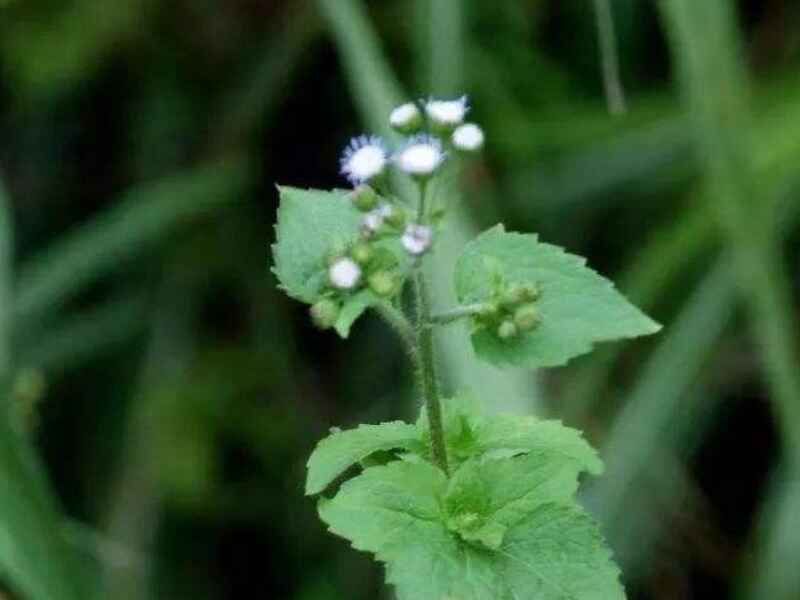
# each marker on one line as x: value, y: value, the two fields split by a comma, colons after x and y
x: 459, y: 312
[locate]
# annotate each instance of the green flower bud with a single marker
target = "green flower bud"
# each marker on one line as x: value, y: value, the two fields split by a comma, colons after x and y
x: 383, y: 283
x: 530, y: 291
x: 507, y: 330
x: 514, y: 295
x: 526, y: 317
x: 364, y: 198
x: 324, y: 313
x: 362, y: 253
x: 397, y: 218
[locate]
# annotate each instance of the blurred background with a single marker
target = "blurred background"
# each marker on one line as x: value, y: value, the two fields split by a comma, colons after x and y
x: 162, y: 396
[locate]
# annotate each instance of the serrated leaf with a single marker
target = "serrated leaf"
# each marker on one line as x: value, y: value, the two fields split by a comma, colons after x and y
x: 341, y: 450
x: 310, y: 224
x: 470, y: 434
x: 557, y: 553
x: 485, y: 498
x: 553, y: 552
x: 508, y: 435
x: 577, y: 307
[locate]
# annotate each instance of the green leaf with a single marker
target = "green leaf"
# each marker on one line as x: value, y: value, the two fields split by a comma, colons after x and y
x: 312, y: 224
x: 552, y: 552
x: 577, y: 307
x: 339, y: 451
x: 470, y: 434
x: 485, y: 498
x: 557, y: 553
x: 509, y: 435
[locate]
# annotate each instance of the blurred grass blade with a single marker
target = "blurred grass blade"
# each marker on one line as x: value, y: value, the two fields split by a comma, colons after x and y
x: 670, y: 252
x: 6, y: 281
x: 707, y: 50
x: 81, y: 338
x: 270, y: 79
x: 142, y: 217
x: 440, y: 31
x: 639, y: 430
x: 609, y: 57
x: 774, y: 569
x: 373, y: 86
x: 705, y: 43
x: 35, y: 558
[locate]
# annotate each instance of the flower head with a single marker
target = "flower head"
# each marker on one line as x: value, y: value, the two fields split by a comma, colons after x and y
x: 344, y: 273
x: 468, y: 137
x: 364, y: 158
x: 447, y: 113
x: 406, y: 118
x: 417, y: 239
x: 421, y: 156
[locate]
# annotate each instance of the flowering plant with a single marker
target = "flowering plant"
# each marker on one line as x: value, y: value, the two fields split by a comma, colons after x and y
x: 458, y: 505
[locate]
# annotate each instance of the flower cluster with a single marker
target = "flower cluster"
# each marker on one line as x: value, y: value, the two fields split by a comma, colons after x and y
x: 431, y: 125
x: 433, y: 130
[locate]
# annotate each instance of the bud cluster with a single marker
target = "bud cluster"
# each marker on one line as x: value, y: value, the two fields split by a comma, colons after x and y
x: 512, y: 311
x: 364, y: 265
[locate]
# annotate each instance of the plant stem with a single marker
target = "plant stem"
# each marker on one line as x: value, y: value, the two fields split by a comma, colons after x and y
x: 423, y: 188
x: 426, y: 373
x: 395, y: 318
x: 454, y: 314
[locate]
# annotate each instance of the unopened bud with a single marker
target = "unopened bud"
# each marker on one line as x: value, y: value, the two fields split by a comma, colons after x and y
x: 526, y: 317
x: 324, y: 313
x: 364, y: 198
x: 514, y: 295
x: 406, y: 118
x: 361, y: 253
x: 396, y: 218
x: 530, y: 291
x: 383, y: 283
x: 507, y: 330
x: 468, y: 138
x: 446, y: 115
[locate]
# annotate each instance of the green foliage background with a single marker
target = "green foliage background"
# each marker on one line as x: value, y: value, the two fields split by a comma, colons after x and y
x: 160, y: 394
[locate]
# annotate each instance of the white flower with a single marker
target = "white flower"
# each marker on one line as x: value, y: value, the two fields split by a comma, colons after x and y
x: 417, y: 239
x: 364, y: 158
x: 447, y: 113
x: 344, y: 274
x: 406, y: 117
x: 421, y: 156
x: 374, y: 219
x: 468, y: 137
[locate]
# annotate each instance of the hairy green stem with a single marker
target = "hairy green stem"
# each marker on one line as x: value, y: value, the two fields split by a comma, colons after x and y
x: 426, y: 372
x: 423, y: 189
x: 454, y: 314
x: 395, y: 318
